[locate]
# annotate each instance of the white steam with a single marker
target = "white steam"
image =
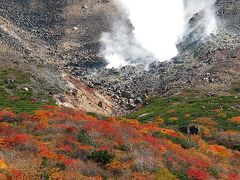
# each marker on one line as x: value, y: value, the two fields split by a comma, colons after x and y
x: 209, y: 20
x: 149, y: 30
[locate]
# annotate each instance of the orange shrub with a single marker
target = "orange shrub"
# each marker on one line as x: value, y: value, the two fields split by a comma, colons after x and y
x: 112, y: 120
x: 4, y: 125
x: 3, y: 165
x: 45, y: 152
x: 117, y: 165
x: 3, y: 176
x: 219, y: 150
x: 205, y: 121
x: 235, y: 119
x: 85, y: 147
x: 170, y: 132
x: 42, y: 116
x: 79, y: 115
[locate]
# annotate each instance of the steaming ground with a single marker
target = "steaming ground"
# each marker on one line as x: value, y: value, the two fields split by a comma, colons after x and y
x: 52, y: 39
x: 149, y: 30
x: 208, y: 61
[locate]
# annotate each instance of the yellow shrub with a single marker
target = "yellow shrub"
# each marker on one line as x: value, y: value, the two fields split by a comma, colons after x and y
x: 165, y: 174
x: 173, y: 119
x: 3, y: 165
x: 159, y: 120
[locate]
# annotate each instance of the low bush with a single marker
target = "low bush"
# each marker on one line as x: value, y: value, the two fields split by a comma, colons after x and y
x: 103, y: 157
x: 84, y: 138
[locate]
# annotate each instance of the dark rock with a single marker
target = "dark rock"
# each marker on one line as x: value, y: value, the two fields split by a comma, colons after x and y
x: 138, y: 100
x: 100, y: 104
x: 75, y: 92
x: 9, y: 81
x: 131, y: 106
x: 190, y: 130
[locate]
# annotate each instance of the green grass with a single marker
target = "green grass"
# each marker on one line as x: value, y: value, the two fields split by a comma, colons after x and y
x: 195, y: 106
x: 27, y: 101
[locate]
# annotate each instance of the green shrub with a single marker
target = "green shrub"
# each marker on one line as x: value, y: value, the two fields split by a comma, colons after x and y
x: 60, y: 166
x: 188, y: 143
x: 84, y: 138
x: 103, y: 157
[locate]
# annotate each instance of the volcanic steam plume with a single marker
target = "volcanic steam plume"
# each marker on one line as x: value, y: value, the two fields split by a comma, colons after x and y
x: 149, y: 30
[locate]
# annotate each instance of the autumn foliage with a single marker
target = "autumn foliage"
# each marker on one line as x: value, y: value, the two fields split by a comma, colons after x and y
x: 60, y: 142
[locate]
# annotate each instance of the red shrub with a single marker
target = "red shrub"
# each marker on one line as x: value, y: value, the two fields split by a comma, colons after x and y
x: 65, y: 147
x: 18, y: 175
x: 67, y: 128
x: 66, y: 161
x: 155, y: 142
x: 6, y: 129
x: 7, y: 115
x: 25, y: 117
x: 14, y: 98
x: 233, y: 176
x: 104, y: 148
x: 198, y: 163
x: 104, y: 127
x: 151, y: 139
x: 197, y: 174
x: 71, y: 129
x: 18, y: 139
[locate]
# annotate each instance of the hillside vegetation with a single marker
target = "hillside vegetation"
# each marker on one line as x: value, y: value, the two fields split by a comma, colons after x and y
x: 16, y: 92
x: 51, y: 142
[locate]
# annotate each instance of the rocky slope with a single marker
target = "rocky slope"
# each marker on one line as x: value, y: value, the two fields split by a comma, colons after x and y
x: 210, y: 65
x: 47, y: 37
x: 62, y: 37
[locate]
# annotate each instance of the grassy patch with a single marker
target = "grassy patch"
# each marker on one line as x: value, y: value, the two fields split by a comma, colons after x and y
x: 16, y: 94
x: 182, y: 110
